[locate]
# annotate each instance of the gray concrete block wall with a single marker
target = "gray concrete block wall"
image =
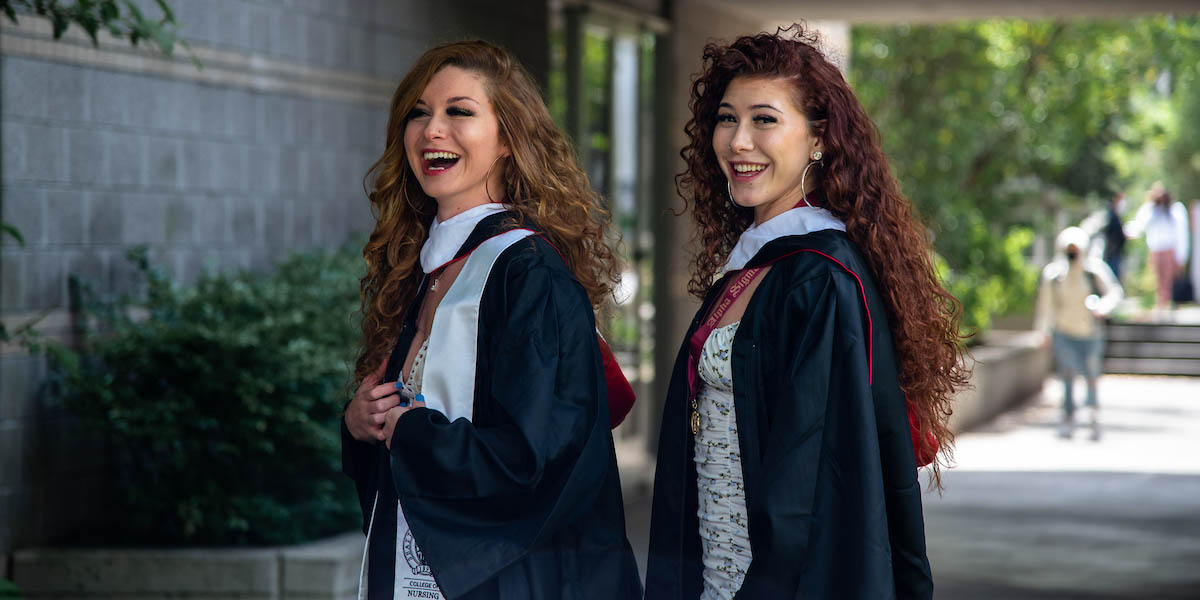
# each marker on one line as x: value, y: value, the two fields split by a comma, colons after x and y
x: 73, y: 184
x: 210, y: 176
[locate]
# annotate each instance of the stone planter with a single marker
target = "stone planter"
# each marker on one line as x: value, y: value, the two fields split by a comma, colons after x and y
x: 1010, y: 367
x: 325, y: 570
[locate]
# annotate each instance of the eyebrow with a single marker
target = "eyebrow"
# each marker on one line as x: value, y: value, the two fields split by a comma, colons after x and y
x: 727, y: 105
x: 451, y: 100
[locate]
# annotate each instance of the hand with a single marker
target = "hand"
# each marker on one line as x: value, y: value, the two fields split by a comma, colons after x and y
x: 392, y: 416
x: 366, y: 411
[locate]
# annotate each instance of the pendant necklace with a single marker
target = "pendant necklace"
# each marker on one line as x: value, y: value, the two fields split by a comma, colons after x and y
x: 695, y: 417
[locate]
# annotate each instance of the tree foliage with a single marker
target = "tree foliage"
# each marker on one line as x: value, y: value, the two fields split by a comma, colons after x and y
x: 124, y: 19
x: 992, y: 127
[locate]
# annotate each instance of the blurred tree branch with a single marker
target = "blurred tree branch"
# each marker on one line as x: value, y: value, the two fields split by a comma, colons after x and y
x: 123, y: 19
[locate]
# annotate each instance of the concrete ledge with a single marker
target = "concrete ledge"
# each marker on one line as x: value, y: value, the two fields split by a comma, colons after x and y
x: 1009, y: 367
x: 327, y: 569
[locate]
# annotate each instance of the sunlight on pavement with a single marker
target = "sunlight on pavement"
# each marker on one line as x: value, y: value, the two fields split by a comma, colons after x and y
x: 1148, y: 424
x: 1028, y: 515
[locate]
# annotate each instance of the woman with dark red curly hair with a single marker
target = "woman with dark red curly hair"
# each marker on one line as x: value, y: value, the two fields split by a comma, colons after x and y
x: 818, y: 374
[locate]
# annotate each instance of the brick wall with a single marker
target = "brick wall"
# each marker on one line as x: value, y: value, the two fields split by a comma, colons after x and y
x: 235, y: 165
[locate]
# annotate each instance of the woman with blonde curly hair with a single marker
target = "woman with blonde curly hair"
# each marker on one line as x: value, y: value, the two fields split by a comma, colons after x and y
x: 818, y: 373
x: 479, y: 435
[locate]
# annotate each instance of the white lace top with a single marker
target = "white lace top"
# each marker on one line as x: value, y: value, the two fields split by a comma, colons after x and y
x: 418, y: 368
x: 724, y: 530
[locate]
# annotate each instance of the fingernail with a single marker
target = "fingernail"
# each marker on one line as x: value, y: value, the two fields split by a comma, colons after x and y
x: 399, y: 384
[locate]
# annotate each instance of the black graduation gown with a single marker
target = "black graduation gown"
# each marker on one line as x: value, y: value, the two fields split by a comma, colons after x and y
x: 832, y: 495
x: 524, y: 501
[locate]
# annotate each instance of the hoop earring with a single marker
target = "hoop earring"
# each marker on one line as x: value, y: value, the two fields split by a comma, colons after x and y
x: 804, y: 196
x: 488, y: 176
x: 408, y: 198
x: 729, y: 190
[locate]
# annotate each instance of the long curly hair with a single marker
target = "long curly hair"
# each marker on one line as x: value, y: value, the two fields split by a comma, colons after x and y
x: 859, y: 189
x: 542, y: 183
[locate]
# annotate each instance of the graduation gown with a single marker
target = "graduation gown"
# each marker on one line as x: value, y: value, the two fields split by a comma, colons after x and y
x: 832, y: 495
x: 523, y: 500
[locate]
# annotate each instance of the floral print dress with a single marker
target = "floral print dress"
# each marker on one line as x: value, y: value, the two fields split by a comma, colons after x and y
x: 724, y: 531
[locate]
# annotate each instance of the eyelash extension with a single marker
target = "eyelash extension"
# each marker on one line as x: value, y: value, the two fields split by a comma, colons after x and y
x: 764, y: 119
x: 415, y: 113
x: 459, y: 112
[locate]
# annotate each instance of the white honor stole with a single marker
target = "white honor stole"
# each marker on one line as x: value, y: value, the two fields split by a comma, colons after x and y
x: 448, y: 385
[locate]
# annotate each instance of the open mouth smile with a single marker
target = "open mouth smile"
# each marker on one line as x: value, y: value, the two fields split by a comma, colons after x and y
x: 436, y: 162
x: 745, y: 171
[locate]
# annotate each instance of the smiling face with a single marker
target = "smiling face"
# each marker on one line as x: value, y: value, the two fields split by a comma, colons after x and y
x: 763, y: 142
x: 452, y: 139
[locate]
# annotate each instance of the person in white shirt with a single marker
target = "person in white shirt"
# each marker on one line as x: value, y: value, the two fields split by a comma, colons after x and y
x: 1165, y: 225
x: 1077, y: 293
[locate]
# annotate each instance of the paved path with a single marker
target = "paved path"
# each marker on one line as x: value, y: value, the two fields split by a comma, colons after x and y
x: 1028, y: 515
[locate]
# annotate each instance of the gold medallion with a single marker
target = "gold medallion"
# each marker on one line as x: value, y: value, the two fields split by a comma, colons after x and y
x: 695, y: 422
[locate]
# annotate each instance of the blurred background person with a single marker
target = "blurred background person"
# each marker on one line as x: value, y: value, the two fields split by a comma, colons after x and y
x: 1114, y: 235
x: 1077, y: 293
x: 1165, y: 225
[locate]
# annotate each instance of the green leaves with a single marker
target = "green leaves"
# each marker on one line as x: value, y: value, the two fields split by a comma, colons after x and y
x: 992, y: 127
x: 5, y: 228
x: 123, y: 19
x: 222, y: 401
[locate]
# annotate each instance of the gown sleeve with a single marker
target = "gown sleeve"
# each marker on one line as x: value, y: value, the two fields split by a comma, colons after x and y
x: 479, y: 495
x: 358, y: 459
x: 835, y: 453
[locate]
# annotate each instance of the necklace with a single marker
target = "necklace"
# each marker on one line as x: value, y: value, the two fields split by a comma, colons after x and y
x: 436, y: 278
x: 695, y: 417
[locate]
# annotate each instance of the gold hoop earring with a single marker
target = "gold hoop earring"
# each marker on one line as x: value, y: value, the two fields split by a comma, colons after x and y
x: 489, y: 176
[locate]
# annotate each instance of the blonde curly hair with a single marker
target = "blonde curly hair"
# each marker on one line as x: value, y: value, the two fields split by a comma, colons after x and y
x: 542, y: 183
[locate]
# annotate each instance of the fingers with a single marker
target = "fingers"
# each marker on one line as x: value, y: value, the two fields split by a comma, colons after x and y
x: 385, y: 404
x: 383, y: 391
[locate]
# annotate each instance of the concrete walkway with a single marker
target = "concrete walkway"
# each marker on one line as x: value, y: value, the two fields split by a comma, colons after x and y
x: 1027, y: 515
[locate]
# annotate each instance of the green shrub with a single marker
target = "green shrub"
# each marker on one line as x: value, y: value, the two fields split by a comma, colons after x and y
x: 998, y: 282
x: 221, y: 401
x: 9, y: 590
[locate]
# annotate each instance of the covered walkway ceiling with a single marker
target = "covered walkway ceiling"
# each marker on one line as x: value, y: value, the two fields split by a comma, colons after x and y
x: 929, y: 11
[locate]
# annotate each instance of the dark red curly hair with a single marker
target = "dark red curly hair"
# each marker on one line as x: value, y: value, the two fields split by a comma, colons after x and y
x: 859, y: 189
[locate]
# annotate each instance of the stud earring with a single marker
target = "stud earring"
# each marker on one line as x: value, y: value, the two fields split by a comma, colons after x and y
x: 816, y: 155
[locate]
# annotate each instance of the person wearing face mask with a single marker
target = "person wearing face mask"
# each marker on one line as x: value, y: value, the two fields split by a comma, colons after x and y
x: 1077, y: 293
x: 479, y: 435
x: 817, y: 375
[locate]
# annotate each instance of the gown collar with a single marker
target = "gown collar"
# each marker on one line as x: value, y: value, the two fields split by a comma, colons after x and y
x: 797, y: 221
x: 447, y: 237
